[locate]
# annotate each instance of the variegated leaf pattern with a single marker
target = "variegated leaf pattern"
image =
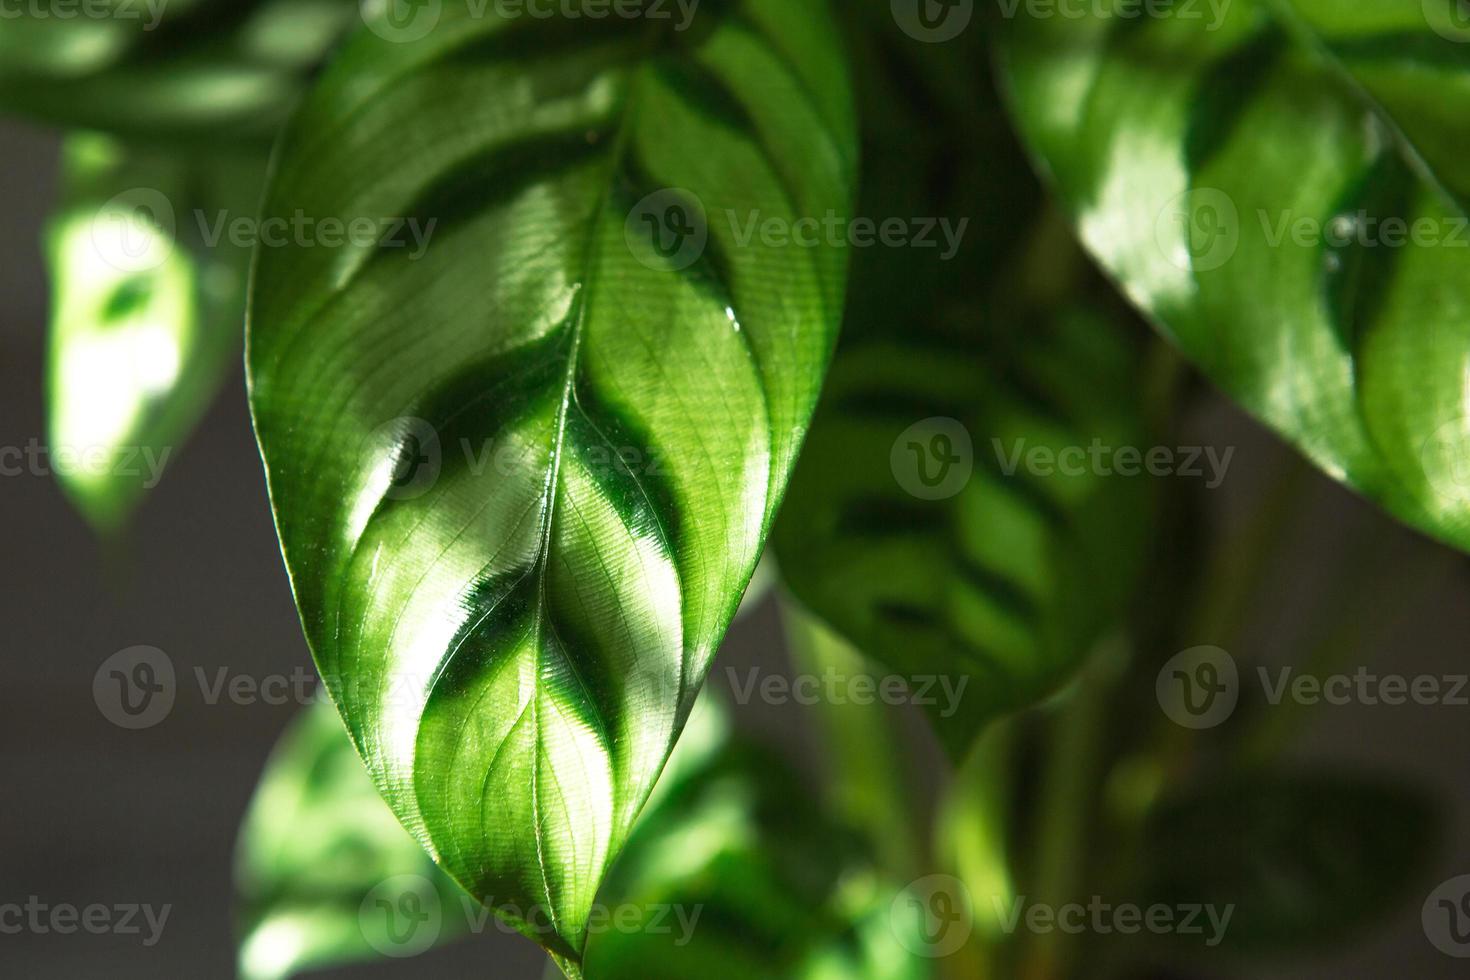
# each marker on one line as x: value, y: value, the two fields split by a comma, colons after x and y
x: 523, y: 474
x: 911, y: 529
x: 993, y: 581
x: 1282, y: 186
x: 222, y: 70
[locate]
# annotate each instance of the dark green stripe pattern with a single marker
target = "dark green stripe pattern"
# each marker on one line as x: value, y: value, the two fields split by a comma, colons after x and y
x: 1283, y: 189
x: 523, y: 475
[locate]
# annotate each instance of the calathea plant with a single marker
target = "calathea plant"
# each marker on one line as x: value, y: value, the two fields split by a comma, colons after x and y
x: 569, y: 313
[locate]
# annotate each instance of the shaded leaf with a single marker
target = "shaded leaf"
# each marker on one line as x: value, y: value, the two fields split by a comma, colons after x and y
x: 1300, y: 859
x: 915, y: 526
x: 523, y: 474
x: 1282, y: 187
x: 177, y: 69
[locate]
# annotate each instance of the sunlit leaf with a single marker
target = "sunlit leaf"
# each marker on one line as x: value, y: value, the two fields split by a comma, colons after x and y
x: 317, y: 849
x: 147, y: 312
x: 523, y: 473
x: 1282, y: 186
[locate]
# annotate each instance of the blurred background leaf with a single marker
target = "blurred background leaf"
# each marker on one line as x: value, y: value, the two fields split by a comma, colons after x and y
x: 147, y: 312
x: 220, y: 71
x: 316, y: 843
x: 902, y: 529
x: 1306, y: 858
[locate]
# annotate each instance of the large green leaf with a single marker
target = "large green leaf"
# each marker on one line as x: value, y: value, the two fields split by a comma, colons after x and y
x: 522, y: 475
x: 1282, y: 186
x: 1294, y: 858
x: 904, y: 529
x: 148, y: 311
x: 226, y: 69
x: 318, y: 851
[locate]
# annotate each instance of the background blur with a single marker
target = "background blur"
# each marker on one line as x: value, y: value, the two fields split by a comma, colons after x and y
x: 90, y: 813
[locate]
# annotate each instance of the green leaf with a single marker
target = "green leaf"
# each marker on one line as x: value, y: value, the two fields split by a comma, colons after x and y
x: 147, y: 312
x: 178, y: 69
x: 766, y: 886
x: 522, y: 474
x: 1299, y: 858
x: 903, y: 530
x: 1284, y: 190
x: 317, y: 850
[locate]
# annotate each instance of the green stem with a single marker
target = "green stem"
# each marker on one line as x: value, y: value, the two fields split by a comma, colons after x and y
x: 1069, y: 801
x: 863, y: 782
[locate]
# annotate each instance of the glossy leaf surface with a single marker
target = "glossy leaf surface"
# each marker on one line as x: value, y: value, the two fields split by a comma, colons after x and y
x: 916, y: 526
x: 522, y: 468
x: 148, y: 311
x: 1301, y: 858
x: 1283, y: 188
x: 228, y: 70
x: 318, y: 852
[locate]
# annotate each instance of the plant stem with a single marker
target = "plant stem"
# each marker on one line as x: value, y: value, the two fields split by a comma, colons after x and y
x: 1069, y: 800
x: 864, y: 782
